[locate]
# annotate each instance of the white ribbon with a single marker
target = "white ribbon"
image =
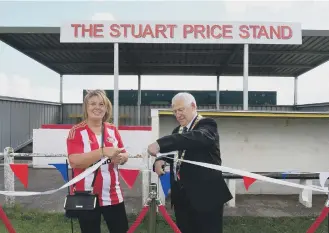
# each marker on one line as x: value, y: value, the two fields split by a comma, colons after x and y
x: 76, y: 179
x: 206, y: 165
x: 256, y: 176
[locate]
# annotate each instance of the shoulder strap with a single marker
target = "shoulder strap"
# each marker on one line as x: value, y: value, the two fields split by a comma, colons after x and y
x: 102, y: 146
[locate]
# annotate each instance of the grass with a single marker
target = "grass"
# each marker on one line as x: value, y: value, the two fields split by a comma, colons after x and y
x: 28, y: 221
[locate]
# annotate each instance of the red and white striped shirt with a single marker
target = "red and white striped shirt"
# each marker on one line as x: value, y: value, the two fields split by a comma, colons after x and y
x: 82, y: 139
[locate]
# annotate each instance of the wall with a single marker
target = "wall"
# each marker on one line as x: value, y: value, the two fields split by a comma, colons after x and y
x: 129, y: 113
x: 269, y: 145
x: 18, y: 118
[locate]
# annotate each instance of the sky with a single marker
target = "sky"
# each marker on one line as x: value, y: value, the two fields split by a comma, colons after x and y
x: 23, y: 77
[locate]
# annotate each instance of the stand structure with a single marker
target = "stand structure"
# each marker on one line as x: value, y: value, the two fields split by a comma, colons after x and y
x: 151, y: 205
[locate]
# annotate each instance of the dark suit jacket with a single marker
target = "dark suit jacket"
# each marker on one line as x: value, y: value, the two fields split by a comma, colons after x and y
x: 205, y: 188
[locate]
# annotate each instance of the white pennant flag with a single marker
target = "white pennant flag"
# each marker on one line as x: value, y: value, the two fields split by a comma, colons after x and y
x: 323, y: 176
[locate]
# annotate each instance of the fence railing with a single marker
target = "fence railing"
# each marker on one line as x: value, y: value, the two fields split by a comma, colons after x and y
x: 139, y: 162
x: 150, y: 201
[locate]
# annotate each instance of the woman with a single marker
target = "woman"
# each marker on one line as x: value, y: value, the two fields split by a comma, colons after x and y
x: 84, y: 149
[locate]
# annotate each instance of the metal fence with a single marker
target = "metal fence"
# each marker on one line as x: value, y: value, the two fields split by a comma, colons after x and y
x: 18, y: 118
x: 322, y: 107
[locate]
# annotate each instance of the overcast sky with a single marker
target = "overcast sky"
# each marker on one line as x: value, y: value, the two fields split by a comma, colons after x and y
x: 23, y: 77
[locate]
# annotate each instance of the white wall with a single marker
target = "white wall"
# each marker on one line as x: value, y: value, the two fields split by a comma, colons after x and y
x: 269, y: 145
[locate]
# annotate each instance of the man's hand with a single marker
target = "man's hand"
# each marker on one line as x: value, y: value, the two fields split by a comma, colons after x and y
x: 153, y: 148
x: 158, y: 167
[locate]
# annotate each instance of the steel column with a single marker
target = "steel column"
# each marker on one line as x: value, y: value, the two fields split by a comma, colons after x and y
x: 139, y: 101
x: 245, y: 76
x: 116, y: 86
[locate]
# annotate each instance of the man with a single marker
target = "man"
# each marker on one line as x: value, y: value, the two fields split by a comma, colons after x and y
x: 198, y: 194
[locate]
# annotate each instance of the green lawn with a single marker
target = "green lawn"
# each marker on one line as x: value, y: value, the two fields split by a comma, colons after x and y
x: 36, y: 222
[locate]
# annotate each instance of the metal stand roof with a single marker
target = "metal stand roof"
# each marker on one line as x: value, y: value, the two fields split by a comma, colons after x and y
x: 43, y: 45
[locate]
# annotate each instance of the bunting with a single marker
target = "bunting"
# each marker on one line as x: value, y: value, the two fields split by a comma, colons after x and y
x: 129, y: 176
x: 284, y: 174
x: 323, y: 176
x: 21, y: 171
x: 248, y: 181
x: 62, y: 168
x: 165, y: 183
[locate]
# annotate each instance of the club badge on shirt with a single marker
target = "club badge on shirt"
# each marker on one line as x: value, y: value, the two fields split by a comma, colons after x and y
x: 110, y: 139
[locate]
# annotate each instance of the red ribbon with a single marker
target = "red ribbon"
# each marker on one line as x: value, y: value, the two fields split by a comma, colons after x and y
x: 318, y: 220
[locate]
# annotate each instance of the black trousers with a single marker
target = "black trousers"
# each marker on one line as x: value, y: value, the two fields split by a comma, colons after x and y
x: 190, y: 220
x: 114, y: 216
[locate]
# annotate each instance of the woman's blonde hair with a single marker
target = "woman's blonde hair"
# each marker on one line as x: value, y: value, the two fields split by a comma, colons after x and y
x: 101, y: 94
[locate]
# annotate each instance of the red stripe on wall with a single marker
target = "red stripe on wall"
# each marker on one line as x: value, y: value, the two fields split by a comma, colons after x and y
x: 121, y: 127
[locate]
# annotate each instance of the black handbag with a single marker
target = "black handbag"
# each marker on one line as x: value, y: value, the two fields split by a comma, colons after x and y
x: 81, y: 201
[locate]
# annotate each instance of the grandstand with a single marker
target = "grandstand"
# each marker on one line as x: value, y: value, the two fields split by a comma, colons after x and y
x: 163, y: 97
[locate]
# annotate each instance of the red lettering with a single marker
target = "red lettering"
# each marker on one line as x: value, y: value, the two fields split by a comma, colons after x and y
x: 125, y: 29
x: 254, y: 30
x: 171, y: 30
x: 115, y: 32
x: 91, y: 30
x: 148, y: 31
x: 227, y: 30
x: 142, y: 31
x: 187, y: 29
x: 160, y: 29
x: 273, y: 32
x: 265, y: 32
x: 262, y: 33
x: 199, y: 29
x: 286, y: 32
x: 98, y: 31
x: 214, y: 34
x: 208, y: 31
x: 76, y: 29
x: 244, y: 33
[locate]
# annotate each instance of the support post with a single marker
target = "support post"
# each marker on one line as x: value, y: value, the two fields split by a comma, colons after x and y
x: 139, y: 101
x: 155, y: 136
x: 153, y: 208
x: 245, y: 76
x: 327, y: 205
x: 61, y: 99
x: 147, y: 173
x: 295, y: 90
x: 9, y: 177
x: 116, y: 86
x: 218, y: 92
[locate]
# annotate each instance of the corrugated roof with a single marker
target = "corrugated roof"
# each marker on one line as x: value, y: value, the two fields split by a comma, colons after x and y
x: 43, y: 45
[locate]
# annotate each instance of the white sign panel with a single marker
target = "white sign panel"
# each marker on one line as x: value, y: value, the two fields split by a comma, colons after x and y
x: 181, y: 32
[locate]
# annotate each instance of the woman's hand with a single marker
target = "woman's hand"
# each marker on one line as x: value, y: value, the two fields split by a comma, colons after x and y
x: 111, y: 152
x: 120, y: 159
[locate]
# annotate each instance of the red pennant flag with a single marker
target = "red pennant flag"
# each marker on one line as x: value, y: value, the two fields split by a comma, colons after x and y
x: 21, y: 171
x: 248, y: 181
x: 129, y: 176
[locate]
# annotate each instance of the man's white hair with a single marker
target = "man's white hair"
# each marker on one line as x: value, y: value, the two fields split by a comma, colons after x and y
x: 185, y: 96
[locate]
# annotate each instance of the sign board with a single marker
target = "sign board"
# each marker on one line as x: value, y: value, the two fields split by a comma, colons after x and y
x: 181, y: 32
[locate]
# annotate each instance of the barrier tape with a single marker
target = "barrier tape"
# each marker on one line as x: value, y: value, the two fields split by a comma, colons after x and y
x: 71, y: 182
x: 206, y: 165
x: 253, y: 175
